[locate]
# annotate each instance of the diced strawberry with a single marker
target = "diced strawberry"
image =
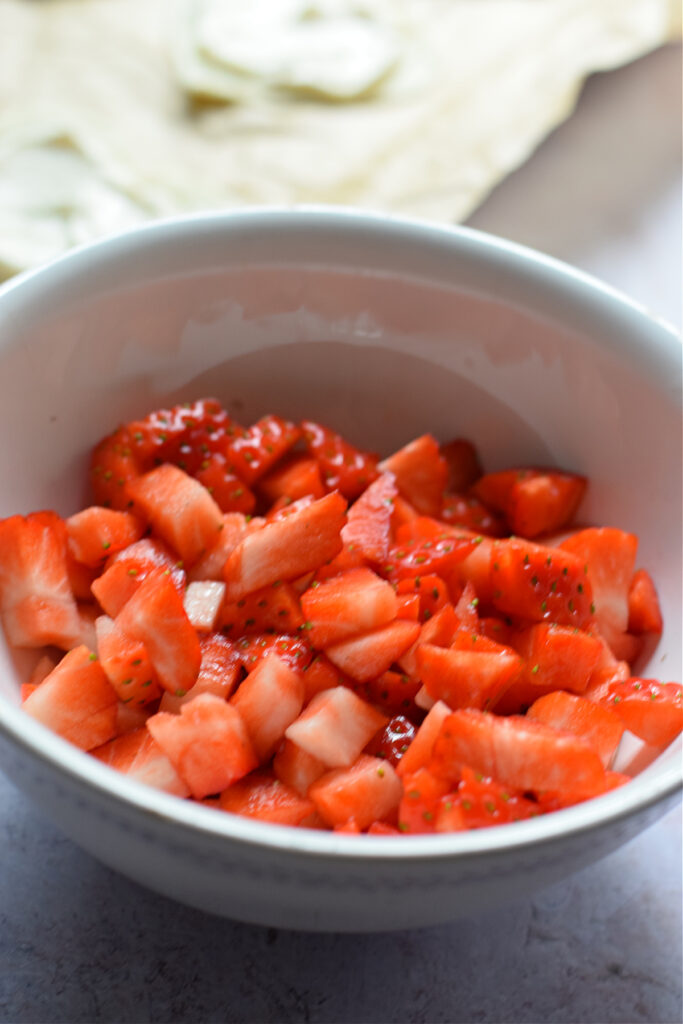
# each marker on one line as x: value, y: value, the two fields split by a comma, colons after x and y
x: 649, y: 709
x: 368, y: 526
x: 203, y: 601
x: 432, y: 593
x: 600, y: 727
x: 403, y: 513
x: 544, y: 503
x: 335, y: 727
x: 392, y: 693
x: 471, y: 674
x: 292, y: 649
x: 439, y: 630
x: 343, y: 467
x: 348, y: 558
x: 155, y: 616
x: 476, y: 569
x: 229, y: 492
x: 296, y: 767
x: 261, y: 446
x: 515, y: 752
x: 368, y: 791
x: 269, y: 700
x: 449, y: 816
x: 130, y: 717
x: 262, y: 796
x: 96, y: 533
x: 183, y: 434
x: 235, y: 527
x: 420, y: 750
x: 422, y: 793
x: 26, y: 690
x: 466, y: 610
x: 464, y: 467
x: 393, y: 740
x: 207, y: 743
x: 87, y: 616
x: 558, y: 657
x: 81, y: 578
x: 408, y: 607
x: 138, y: 756
x: 126, y: 570
x: 427, y: 557
x: 539, y: 583
x: 353, y: 602
x: 369, y: 655
x: 380, y: 828
x: 284, y: 508
x: 421, y: 474
x: 483, y: 802
x: 297, y: 476
x: 37, y: 607
x: 465, y: 511
x: 498, y: 630
x: 126, y: 664
x: 112, y: 466
x: 549, y: 800
x: 287, y: 549
x: 43, y: 667
x: 219, y: 673
x: 179, y: 509
x: 321, y: 675
x: 644, y: 614
x: 273, y: 607
x: 608, y: 556
x: 76, y: 701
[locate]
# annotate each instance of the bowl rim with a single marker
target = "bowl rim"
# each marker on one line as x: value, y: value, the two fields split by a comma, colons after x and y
x: 554, y: 278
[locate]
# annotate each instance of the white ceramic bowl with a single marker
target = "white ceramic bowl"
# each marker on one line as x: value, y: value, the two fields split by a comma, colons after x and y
x: 385, y: 329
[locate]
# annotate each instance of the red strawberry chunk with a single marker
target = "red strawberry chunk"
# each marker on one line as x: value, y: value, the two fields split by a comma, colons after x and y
x: 219, y: 673
x: 464, y: 467
x: 96, y: 533
x: 291, y: 649
x: 516, y: 752
x: 544, y: 503
x: 155, y: 616
x: 140, y: 758
x: 335, y: 727
x: 599, y: 726
x: 296, y: 768
x: 235, y: 527
x: 439, y: 630
x: 286, y: 549
x: 273, y: 607
x: 350, y: 603
x: 427, y: 557
x: 408, y: 607
x: 266, y: 798
x: 392, y: 693
x: 609, y: 555
x: 368, y: 528
x: 483, y: 802
x: 431, y: 592
x: 76, y: 701
x: 649, y: 709
x: 644, y: 614
x: 207, y: 743
x: 321, y: 675
x: 37, y: 607
x: 539, y: 583
x: 184, y: 435
x: 421, y: 474
x: 466, y: 512
x: 112, y: 466
x: 368, y: 791
x: 473, y: 673
x: 343, y: 467
x: 261, y: 446
x: 297, y: 476
x: 202, y: 603
x: 126, y: 570
x: 126, y: 664
x: 558, y: 657
x: 369, y: 655
x: 269, y: 700
x: 179, y: 509
x: 348, y: 558
x: 422, y: 793
x: 393, y: 740
x: 227, y: 489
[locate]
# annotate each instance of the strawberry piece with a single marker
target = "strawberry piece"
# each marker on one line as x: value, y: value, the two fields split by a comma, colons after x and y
x: 402, y: 515
x: 544, y: 503
x: 297, y: 476
x: 296, y: 768
x: 516, y: 752
x: 96, y: 533
x: 473, y: 673
x: 600, y: 727
x: 555, y: 801
x: 269, y: 700
x: 126, y: 664
x: 608, y: 556
x: 335, y: 727
x: 464, y: 467
x: 266, y: 798
x: 368, y: 791
x: 321, y: 675
x: 391, y: 742
x: 380, y: 828
x: 483, y: 802
x: 179, y: 509
x: 431, y: 592
x: 229, y: 492
x: 475, y: 569
x: 130, y: 717
x: 368, y: 527
x: 286, y: 549
x: 369, y: 655
x: 421, y: 474
x: 260, y: 446
x: 36, y: 604
x: 350, y: 603
x: 207, y: 743
x: 126, y: 570
x: 539, y: 583
x: 422, y: 793
x: 235, y: 527
x: 427, y: 557
x: 649, y: 709
x: 408, y: 607
x: 219, y: 673
x: 439, y: 630
x: 138, y: 756
x: 112, y: 466
x: 449, y: 816
x: 184, y: 435
x: 466, y: 512
x: 420, y: 750
x: 293, y: 650
x: 343, y: 467
x: 392, y: 693
x: 644, y: 614
x: 558, y: 657
x: 76, y: 701
x: 273, y: 607
x: 202, y: 603
x: 348, y: 558
x: 155, y: 616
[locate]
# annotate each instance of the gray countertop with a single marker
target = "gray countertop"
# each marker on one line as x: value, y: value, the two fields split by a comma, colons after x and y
x: 79, y: 943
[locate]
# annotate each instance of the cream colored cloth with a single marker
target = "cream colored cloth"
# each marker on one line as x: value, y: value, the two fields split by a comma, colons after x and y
x: 116, y: 111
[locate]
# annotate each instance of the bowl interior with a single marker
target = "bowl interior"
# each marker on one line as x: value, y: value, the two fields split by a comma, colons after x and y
x: 382, y: 331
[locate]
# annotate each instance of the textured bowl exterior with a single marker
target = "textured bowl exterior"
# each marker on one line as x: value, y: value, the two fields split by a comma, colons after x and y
x: 387, y: 328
